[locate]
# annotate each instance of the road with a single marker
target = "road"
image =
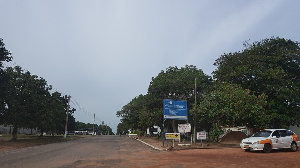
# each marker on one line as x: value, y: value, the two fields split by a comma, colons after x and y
x: 115, y: 151
x: 100, y: 151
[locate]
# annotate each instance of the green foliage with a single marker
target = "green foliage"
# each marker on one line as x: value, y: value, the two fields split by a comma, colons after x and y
x: 179, y: 83
x: 231, y: 105
x: 29, y: 104
x: 122, y: 128
x: 104, y: 130
x: 141, y: 113
x: 269, y: 67
x: 99, y: 129
x: 256, y: 87
x: 138, y: 132
x: 5, y: 55
x: 175, y: 83
x: 215, y: 133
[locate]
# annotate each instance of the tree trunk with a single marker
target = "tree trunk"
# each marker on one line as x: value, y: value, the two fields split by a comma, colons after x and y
x: 15, y: 133
x: 42, y: 132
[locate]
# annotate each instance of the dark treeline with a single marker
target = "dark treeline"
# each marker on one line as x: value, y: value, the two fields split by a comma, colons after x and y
x: 101, y: 129
x: 27, y: 101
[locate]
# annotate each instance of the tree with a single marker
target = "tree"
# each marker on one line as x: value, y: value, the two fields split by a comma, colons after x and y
x: 104, y: 130
x: 5, y: 55
x: 29, y: 104
x: 231, y: 105
x: 270, y: 67
x: 129, y: 113
x: 141, y: 113
x: 16, y: 95
x: 122, y: 128
x: 25, y: 100
x: 179, y: 84
x: 57, y: 108
x: 38, y: 104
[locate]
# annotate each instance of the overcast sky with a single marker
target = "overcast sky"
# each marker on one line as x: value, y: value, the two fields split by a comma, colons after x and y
x: 104, y: 52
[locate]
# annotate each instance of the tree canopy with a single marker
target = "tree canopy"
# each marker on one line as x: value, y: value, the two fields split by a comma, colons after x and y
x: 26, y: 100
x: 270, y: 67
x: 175, y: 83
x: 231, y: 105
x: 179, y: 83
x: 256, y: 87
x: 28, y: 103
x: 5, y: 55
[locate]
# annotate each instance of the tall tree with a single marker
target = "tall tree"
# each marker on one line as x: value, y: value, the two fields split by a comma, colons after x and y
x: 141, y: 113
x: 129, y: 113
x: 5, y: 55
x: 16, y: 97
x: 179, y: 84
x: 230, y: 104
x: 270, y: 66
x: 28, y: 103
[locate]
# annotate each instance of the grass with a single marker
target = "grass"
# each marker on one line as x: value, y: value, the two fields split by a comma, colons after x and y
x: 31, y: 140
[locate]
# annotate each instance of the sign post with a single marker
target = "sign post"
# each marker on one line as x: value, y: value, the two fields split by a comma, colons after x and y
x: 184, y: 128
x: 176, y: 110
x: 201, y: 136
x: 173, y: 136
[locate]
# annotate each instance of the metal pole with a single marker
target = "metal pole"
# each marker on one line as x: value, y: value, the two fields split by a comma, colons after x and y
x: 93, y: 125
x: 67, y: 117
x: 195, y: 134
x: 163, y: 135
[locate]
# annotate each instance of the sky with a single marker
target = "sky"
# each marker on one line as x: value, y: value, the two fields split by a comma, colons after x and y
x: 104, y: 53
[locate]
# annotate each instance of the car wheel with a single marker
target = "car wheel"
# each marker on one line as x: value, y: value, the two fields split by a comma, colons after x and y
x: 267, y: 148
x: 247, y: 150
x: 294, y: 147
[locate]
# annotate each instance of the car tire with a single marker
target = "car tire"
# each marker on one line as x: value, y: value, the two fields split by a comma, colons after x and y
x: 294, y: 147
x: 247, y: 150
x: 267, y: 148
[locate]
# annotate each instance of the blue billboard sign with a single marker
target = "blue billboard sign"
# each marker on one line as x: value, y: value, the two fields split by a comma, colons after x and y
x: 176, y: 110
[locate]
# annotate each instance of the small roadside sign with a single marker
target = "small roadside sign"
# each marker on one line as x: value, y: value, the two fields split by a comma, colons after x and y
x: 201, y: 135
x: 172, y: 135
x: 184, y: 128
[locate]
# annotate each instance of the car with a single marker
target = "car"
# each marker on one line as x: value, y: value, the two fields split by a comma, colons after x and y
x: 267, y: 139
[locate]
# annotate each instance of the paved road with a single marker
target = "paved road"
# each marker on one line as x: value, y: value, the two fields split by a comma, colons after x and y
x: 100, y: 151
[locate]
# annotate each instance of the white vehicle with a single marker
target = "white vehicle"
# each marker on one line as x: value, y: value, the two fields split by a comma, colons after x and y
x: 269, y: 139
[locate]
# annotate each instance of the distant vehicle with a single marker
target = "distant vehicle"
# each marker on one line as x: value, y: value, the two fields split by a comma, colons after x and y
x: 269, y: 139
x: 71, y: 133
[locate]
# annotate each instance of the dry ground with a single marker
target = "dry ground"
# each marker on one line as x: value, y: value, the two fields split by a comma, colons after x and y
x: 211, y: 155
x: 24, y: 141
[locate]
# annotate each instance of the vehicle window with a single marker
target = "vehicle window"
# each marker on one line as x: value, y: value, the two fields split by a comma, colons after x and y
x: 283, y: 133
x: 276, y: 134
x: 262, y: 134
x: 289, y: 133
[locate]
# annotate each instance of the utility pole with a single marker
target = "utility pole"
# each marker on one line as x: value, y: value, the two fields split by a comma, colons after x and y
x: 93, y: 125
x: 67, y: 117
x: 195, y: 133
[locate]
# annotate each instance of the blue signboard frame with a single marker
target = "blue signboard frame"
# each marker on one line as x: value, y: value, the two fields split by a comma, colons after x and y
x: 176, y: 110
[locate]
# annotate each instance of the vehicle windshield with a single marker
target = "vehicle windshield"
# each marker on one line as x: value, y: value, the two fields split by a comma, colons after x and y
x: 262, y: 134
